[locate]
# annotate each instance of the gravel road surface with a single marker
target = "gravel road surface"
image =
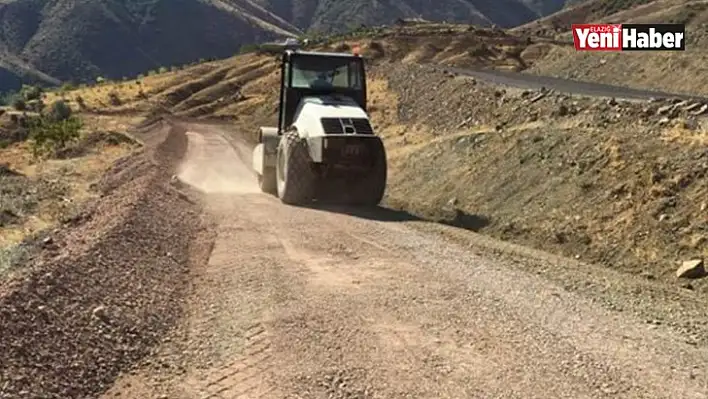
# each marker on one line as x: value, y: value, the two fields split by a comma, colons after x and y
x: 337, y: 303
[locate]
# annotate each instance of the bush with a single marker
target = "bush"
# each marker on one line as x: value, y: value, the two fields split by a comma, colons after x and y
x: 342, y: 48
x: 36, y: 106
x: 162, y: 70
x: 20, y: 104
x: 100, y: 80
x: 60, y: 111
x: 29, y: 93
x: 7, y: 98
x: 81, y: 102
x: 114, y: 99
x: 49, y: 135
x: 68, y: 86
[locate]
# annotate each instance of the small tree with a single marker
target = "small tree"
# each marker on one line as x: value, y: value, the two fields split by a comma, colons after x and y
x: 50, y: 136
x: 60, y: 111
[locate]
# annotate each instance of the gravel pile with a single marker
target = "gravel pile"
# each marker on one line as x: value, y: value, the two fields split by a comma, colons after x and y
x: 107, y: 287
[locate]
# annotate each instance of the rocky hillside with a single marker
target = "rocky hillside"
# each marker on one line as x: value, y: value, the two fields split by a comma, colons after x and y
x: 79, y: 40
x: 82, y: 39
x: 676, y: 72
x: 579, y: 11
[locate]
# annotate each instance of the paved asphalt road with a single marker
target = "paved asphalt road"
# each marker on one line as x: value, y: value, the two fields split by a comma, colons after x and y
x: 528, y: 81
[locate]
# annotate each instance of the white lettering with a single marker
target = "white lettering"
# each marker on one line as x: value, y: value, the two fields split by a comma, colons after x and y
x: 678, y: 40
x: 642, y: 40
x: 629, y: 38
x: 598, y: 40
x: 651, y: 40
x: 656, y: 38
x: 582, y: 36
x: 668, y: 40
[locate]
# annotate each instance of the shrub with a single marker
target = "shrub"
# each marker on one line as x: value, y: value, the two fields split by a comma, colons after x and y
x: 49, y: 135
x: 342, y: 48
x: 60, y: 111
x: 19, y: 104
x: 29, y: 93
x: 100, y: 80
x: 8, y: 98
x: 114, y: 99
x: 81, y: 102
x: 36, y: 106
x: 162, y: 70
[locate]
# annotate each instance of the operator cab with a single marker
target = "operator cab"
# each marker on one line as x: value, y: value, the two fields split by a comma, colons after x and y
x: 304, y: 74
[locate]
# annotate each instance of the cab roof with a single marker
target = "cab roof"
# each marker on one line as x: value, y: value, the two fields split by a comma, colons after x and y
x: 322, y: 54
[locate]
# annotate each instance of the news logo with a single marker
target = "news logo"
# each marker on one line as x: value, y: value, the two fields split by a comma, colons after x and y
x: 629, y: 37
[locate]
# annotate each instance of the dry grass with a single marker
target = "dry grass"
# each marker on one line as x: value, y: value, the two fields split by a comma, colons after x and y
x: 48, y: 191
x: 682, y: 132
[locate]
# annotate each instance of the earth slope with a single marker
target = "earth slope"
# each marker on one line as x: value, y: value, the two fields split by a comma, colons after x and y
x: 334, y: 302
x: 672, y: 71
x: 79, y: 40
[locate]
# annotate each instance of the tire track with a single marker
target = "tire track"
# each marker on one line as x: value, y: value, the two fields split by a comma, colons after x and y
x: 246, y: 376
x: 427, y: 318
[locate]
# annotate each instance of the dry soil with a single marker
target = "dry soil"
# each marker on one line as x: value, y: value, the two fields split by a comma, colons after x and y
x: 336, y: 303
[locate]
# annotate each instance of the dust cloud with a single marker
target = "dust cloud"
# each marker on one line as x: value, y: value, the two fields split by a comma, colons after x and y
x: 215, y: 166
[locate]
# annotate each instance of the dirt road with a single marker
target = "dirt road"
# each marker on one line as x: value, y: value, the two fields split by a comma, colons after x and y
x: 314, y: 303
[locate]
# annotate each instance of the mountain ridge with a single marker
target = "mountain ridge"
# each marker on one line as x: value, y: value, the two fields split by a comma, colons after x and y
x: 48, y: 41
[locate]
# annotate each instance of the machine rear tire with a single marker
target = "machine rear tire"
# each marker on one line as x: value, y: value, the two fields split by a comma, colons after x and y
x: 267, y: 181
x: 370, y: 190
x: 295, y: 179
